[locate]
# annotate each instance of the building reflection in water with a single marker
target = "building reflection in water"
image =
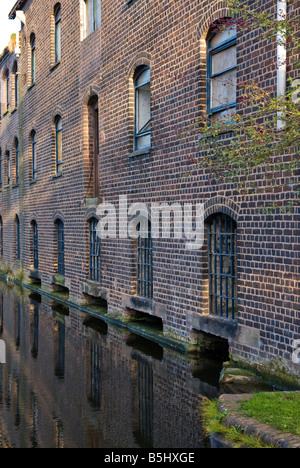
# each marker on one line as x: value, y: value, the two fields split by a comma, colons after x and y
x: 73, y: 381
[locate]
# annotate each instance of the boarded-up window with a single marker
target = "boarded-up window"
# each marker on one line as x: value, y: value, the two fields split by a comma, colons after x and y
x: 222, y: 71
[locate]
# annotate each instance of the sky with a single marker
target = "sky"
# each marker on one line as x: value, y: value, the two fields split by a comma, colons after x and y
x: 7, y: 27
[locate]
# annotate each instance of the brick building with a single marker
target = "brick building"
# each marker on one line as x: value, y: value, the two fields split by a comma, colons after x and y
x: 92, y: 99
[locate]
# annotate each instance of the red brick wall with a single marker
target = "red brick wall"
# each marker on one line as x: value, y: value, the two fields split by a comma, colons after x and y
x: 170, y: 38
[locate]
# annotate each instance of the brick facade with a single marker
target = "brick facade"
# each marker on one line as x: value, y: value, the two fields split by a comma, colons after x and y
x: 169, y: 37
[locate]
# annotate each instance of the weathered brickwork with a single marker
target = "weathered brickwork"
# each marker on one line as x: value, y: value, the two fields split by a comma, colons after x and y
x: 170, y: 38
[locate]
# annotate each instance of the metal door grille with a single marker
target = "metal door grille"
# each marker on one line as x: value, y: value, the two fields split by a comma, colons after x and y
x: 95, y: 250
x: 145, y: 265
x: 222, y: 266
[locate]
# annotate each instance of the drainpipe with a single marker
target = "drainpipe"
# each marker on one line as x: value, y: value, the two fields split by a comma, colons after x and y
x: 281, y: 58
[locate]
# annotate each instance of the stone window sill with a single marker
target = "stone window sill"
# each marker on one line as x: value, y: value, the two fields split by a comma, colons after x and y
x: 141, y: 152
x: 54, y: 66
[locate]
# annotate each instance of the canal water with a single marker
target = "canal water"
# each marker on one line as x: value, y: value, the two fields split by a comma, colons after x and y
x: 73, y: 381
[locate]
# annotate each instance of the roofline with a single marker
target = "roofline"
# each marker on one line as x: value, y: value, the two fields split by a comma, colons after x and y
x: 18, y: 6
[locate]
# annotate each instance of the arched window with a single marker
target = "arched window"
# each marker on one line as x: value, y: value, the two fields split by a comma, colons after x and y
x: 93, y: 119
x: 58, y: 145
x: 221, y: 70
x: 95, y: 250
x: 32, y: 59
x: 222, y: 265
x: 1, y: 169
x: 17, y: 160
x: 16, y: 84
x: 33, y: 155
x: 17, y: 238
x: 142, y: 108
x: 144, y: 263
x: 8, y: 167
x: 60, y: 247
x: 1, y: 236
x: 7, y: 85
x: 35, y: 245
x: 57, y: 32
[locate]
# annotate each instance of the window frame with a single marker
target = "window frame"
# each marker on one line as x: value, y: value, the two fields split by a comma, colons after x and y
x: 17, y: 161
x: 35, y: 245
x: 58, y: 131
x: 1, y: 169
x: 16, y: 84
x: 7, y: 81
x: 32, y: 58
x: 137, y: 87
x: 1, y: 236
x: 211, y: 51
x: 8, y: 167
x: 33, y: 155
x: 18, y: 238
x: 57, y: 28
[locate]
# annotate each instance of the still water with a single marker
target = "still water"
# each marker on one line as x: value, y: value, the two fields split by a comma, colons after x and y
x: 71, y: 381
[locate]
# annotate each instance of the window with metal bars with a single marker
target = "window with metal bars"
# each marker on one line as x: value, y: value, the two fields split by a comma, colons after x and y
x: 60, y: 239
x: 35, y: 245
x: 18, y: 239
x: 222, y: 266
x: 95, y: 250
x: 144, y: 263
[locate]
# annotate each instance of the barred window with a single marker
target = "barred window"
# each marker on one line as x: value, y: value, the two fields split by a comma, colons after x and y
x: 18, y: 239
x: 144, y: 263
x: 95, y: 250
x: 222, y: 265
x: 60, y: 245
x: 35, y: 245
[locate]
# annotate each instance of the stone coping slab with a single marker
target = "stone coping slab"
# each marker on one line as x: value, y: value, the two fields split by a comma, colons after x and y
x: 269, y: 435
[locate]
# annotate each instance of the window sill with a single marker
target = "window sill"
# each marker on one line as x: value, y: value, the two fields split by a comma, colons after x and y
x: 33, y: 181
x: 56, y: 176
x: 15, y: 186
x: 140, y: 152
x: 138, y: 303
x: 31, y: 86
x: 59, y: 280
x: 14, y: 110
x: 54, y: 66
x: 7, y: 186
x: 5, y: 113
x: 34, y: 274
